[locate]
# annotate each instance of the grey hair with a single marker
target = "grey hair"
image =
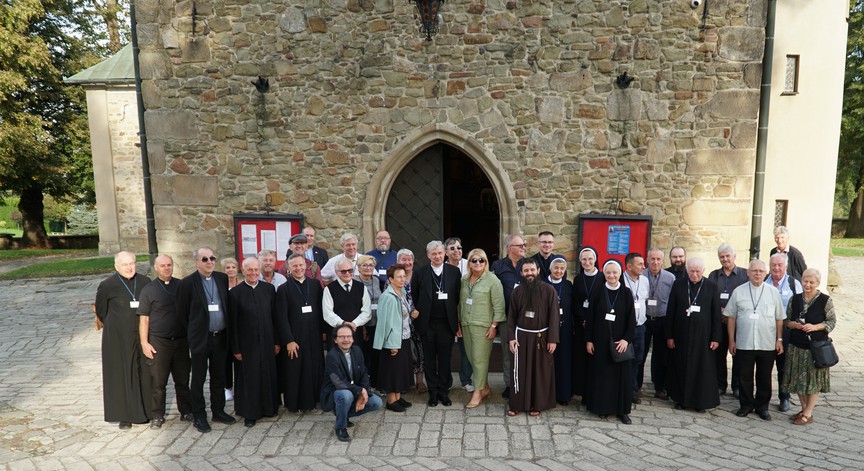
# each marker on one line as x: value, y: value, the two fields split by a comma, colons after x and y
x: 122, y: 254
x: 402, y: 252
x: 346, y: 237
x: 781, y: 230
x: 781, y: 256
x: 695, y: 262
x: 509, y: 240
x: 814, y: 273
x: 266, y: 252
x: 756, y: 261
x: 249, y: 260
x: 725, y: 248
x: 195, y: 252
x: 434, y: 245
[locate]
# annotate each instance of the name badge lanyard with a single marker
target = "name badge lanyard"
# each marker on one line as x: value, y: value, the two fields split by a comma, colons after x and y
x: 210, y: 297
x: 558, y: 288
x: 587, y: 289
x: 611, y: 302
x: 406, y: 304
x: 440, y: 286
x: 692, y: 298
x: 134, y: 286
x: 635, y: 291
x: 471, y: 290
x: 304, y: 294
x: 162, y: 285
x: 756, y: 303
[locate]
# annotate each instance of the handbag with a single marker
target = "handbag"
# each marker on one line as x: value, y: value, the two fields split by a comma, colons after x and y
x: 823, y: 352
x: 617, y: 356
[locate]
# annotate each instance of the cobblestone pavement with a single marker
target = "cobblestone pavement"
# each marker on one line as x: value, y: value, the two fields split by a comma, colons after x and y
x: 51, y: 415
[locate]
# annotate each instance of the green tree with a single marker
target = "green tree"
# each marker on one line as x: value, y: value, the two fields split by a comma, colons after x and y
x: 850, y: 165
x: 44, y: 138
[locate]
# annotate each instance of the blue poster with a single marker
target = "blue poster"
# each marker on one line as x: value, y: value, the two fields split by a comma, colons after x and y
x: 618, y: 242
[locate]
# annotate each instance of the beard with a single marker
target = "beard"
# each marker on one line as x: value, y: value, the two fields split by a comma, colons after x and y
x: 532, y: 292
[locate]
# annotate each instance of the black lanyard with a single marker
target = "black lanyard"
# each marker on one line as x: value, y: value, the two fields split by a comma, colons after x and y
x: 584, y: 282
x: 694, y: 298
x: 611, y: 302
x: 756, y: 304
x: 210, y: 297
x: 305, y: 295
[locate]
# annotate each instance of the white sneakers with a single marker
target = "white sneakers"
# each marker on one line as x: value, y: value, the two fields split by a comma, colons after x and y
x: 469, y: 388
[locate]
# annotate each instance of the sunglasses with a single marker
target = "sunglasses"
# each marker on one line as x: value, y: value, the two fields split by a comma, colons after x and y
x: 478, y: 260
x: 458, y: 247
x: 345, y: 272
x: 208, y: 259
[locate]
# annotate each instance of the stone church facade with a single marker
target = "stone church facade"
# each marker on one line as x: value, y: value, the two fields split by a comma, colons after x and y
x: 530, y: 95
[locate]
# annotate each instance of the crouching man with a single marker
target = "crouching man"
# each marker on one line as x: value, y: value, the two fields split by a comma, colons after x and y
x: 346, y: 382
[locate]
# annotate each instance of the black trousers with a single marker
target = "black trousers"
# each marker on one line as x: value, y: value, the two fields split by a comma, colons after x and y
x: 172, y: 357
x: 720, y: 359
x: 655, y: 338
x: 437, y: 348
x: 212, y: 360
x: 763, y: 360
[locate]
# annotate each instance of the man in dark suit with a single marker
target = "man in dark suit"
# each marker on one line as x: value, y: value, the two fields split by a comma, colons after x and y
x: 346, y: 383
x: 313, y: 252
x: 202, y: 300
x: 795, y: 260
x: 435, y: 288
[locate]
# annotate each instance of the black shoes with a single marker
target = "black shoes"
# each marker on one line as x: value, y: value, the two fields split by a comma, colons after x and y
x: 785, y: 405
x: 636, y: 400
x: 625, y: 419
x: 201, y: 425
x: 661, y: 394
x: 742, y: 412
x: 395, y: 407
x: 402, y: 402
x: 432, y: 402
x: 187, y: 417
x: 764, y: 415
x: 222, y: 417
x: 679, y: 406
x: 125, y: 425
x: 342, y: 435
x: 735, y: 393
x: 249, y: 422
x: 701, y: 411
x: 350, y: 424
x: 506, y: 393
x: 157, y: 423
x: 445, y: 401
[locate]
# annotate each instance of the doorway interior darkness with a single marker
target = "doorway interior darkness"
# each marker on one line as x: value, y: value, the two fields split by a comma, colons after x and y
x: 441, y: 193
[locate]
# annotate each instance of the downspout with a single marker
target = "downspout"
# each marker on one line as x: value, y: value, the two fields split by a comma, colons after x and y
x: 142, y: 135
x: 762, y: 136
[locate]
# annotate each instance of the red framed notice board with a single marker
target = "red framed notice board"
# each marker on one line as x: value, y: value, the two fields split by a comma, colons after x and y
x: 614, y: 236
x: 256, y: 232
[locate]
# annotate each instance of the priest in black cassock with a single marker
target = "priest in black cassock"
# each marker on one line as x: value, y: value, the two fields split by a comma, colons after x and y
x: 254, y: 345
x: 299, y: 322
x: 693, y: 332
x: 533, y: 327
x: 125, y: 383
x: 611, y: 322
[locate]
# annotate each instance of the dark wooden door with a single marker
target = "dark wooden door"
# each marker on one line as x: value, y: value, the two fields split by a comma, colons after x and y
x: 415, y: 208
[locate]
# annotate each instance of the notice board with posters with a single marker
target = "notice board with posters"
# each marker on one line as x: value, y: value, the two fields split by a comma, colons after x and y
x: 256, y: 232
x: 614, y: 236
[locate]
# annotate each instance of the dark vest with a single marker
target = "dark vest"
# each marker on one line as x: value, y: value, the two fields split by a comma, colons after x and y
x: 814, y: 315
x: 439, y: 309
x: 347, y: 305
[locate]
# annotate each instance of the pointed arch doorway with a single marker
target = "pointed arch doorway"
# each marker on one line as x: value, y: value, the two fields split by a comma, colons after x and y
x: 442, y: 192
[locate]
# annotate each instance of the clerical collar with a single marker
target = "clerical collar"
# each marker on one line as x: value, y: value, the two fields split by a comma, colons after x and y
x: 554, y: 282
x: 613, y: 288
x: 250, y: 285
x: 301, y: 280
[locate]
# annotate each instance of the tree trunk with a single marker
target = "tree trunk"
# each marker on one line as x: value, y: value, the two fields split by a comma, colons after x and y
x: 112, y: 24
x: 855, y: 226
x: 33, y: 219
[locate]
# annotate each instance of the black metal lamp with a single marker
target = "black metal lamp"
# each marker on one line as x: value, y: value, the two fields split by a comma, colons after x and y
x: 428, y: 13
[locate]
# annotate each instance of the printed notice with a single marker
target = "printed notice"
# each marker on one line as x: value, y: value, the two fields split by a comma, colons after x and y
x: 618, y: 242
x: 249, y: 234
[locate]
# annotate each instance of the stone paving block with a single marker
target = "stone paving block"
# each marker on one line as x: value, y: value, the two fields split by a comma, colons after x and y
x: 451, y: 447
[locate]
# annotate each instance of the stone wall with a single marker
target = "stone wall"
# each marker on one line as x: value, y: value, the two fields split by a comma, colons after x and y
x: 530, y: 81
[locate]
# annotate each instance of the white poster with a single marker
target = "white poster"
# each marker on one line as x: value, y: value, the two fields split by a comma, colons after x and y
x: 283, y: 237
x: 268, y: 240
x: 249, y: 235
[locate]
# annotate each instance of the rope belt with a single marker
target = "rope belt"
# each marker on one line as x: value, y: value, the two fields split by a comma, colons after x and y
x: 516, y: 355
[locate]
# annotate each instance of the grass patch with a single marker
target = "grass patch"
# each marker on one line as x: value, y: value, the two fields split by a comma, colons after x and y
x: 847, y: 247
x: 6, y: 255
x: 76, y: 267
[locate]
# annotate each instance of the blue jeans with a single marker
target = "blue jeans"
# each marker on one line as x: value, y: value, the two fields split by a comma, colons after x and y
x: 344, y: 406
x: 638, y: 347
x: 465, y: 370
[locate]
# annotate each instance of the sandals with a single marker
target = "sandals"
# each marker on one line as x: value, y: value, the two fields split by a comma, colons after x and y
x: 512, y: 413
x: 534, y: 413
x: 796, y: 416
x: 803, y: 420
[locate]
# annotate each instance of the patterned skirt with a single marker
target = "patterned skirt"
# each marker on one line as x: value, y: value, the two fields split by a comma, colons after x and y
x: 800, y: 376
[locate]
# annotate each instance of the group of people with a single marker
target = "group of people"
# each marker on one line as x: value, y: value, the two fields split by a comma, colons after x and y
x: 343, y: 332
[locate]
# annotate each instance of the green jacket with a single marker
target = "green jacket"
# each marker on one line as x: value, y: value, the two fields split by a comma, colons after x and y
x: 388, y: 330
x: 487, y: 301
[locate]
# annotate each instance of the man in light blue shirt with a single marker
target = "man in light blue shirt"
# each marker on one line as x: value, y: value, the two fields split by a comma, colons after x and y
x: 787, y: 286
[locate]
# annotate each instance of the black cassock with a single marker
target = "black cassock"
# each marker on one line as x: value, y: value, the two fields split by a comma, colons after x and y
x: 300, y: 378
x: 692, y: 378
x: 253, y: 335
x: 610, y: 387
x: 564, y: 350
x: 125, y: 390
x: 583, y: 287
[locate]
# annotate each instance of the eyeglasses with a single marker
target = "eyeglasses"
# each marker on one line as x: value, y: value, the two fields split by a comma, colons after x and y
x: 367, y: 265
x: 208, y: 259
x: 458, y: 247
x: 345, y: 272
x: 521, y: 246
x: 344, y: 337
x: 478, y: 260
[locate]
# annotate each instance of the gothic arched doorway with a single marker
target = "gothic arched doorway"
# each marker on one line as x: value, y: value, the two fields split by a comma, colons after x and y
x: 440, y: 193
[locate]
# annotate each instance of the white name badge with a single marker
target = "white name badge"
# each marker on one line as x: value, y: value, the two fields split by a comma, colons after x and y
x: 306, y: 309
x: 637, y: 305
x: 382, y: 272
x: 585, y: 304
x: 610, y: 317
x: 374, y: 307
x: 213, y: 307
x: 529, y: 314
x: 724, y: 295
x: 133, y: 304
x: 515, y: 285
x: 469, y: 301
x: 753, y: 315
x: 695, y: 308
x: 560, y: 311
x: 652, y: 302
x: 442, y: 296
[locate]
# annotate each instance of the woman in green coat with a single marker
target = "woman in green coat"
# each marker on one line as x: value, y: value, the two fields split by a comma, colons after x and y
x: 392, y: 338
x: 481, y: 308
